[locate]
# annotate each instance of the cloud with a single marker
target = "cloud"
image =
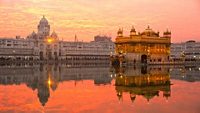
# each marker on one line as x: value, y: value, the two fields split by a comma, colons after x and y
x: 89, y: 17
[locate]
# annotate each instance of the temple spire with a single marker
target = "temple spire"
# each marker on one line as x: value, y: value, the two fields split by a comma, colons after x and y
x: 75, y: 38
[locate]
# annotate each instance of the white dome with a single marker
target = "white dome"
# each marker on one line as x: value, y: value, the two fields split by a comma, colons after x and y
x: 33, y: 33
x: 44, y: 20
x: 54, y: 34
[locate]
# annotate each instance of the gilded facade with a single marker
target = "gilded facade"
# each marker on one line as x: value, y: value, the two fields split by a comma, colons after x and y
x: 145, y: 47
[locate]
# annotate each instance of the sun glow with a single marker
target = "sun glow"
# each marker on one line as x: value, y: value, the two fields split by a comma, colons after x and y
x: 49, y: 81
x: 49, y: 40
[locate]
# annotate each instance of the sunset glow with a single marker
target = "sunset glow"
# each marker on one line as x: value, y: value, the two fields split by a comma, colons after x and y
x: 49, y: 40
x: 88, y: 18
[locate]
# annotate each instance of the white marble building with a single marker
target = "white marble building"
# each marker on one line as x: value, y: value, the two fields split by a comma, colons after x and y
x: 187, y: 51
x: 177, y: 51
x: 45, y: 46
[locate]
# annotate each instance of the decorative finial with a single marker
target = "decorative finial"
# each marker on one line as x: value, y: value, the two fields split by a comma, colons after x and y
x: 133, y: 28
x: 148, y: 27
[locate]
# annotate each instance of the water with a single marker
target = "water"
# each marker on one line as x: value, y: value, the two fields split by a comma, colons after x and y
x: 99, y: 89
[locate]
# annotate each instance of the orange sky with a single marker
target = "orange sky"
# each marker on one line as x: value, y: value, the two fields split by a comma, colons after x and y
x: 88, y: 18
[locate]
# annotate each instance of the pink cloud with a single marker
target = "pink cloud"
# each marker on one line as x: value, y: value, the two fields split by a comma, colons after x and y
x: 87, y: 18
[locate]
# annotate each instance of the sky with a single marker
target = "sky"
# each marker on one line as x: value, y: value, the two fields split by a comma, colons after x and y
x: 87, y: 18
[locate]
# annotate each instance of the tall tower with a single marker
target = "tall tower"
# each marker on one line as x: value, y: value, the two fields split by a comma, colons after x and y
x: 43, y: 28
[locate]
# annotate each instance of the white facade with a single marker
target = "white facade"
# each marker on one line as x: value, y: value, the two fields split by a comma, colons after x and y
x: 16, y: 49
x: 187, y: 51
x: 177, y: 51
x: 43, y: 46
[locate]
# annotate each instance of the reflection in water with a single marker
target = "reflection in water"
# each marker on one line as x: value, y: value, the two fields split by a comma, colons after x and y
x: 44, y: 78
x: 144, y: 81
x: 186, y: 73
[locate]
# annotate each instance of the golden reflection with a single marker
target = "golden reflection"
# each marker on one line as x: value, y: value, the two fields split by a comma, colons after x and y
x: 151, y: 83
x: 49, y: 81
x: 46, y: 82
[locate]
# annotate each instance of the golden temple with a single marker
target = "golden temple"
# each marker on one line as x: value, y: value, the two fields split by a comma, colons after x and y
x: 147, y: 47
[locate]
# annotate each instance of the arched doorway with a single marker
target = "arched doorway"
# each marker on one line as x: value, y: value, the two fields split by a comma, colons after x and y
x: 144, y: 59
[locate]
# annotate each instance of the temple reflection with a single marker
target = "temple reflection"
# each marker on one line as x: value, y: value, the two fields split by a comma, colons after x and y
x: 143, y: 81
x: 46, y: 78
x: 42, y: 80
x: 147, y: 82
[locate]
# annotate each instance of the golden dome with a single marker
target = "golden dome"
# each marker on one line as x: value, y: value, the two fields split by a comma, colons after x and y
x: 133, y: 29
x: 149, y: 32
x: 167, y: 32
x: 120, y: 31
